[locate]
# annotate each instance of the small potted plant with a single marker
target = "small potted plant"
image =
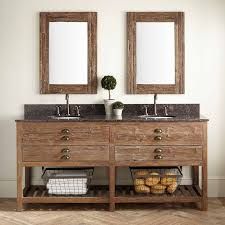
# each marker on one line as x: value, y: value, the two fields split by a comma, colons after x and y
x: 108, y: 83
x: 118, y: 108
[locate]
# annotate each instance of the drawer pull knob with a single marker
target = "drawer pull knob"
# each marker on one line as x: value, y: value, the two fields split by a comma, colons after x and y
x: 158, y: 131
x: 158, y: 157
x: 65, y: 157
x: 65, y: 131
x: 65, y: 138
x: 158, y: 150
x: 158, y: 138
x: 65, y: 150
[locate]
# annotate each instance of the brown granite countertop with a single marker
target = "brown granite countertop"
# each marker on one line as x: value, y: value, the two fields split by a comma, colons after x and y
x: 103, y: 118
x: 96, y: 113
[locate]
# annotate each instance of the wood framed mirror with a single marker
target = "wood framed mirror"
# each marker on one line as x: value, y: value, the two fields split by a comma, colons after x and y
x: 155, y: 52
x: 68, y: 52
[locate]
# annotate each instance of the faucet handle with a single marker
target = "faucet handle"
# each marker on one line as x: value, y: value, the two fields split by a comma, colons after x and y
x: 58, y: 108
x: 67, y: 97
x: 77, y: 108
x: 166, y: 110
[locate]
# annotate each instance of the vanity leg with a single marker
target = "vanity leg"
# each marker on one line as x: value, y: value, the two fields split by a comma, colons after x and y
x: 27, y: 177
x: 195, y: 179
x: 19, y: 170
x: 19, y: 187
x: 195, y: 175
x: 204, y: 203
x: 112, y: 184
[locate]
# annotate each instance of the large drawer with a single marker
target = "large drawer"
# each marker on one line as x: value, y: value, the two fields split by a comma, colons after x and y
x: 64, y: 134
x: 64, y: 153
x: 158, y: 134
x: 149, y: 153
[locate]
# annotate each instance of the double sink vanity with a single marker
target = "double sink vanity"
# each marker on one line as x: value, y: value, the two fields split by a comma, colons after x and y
x: 172, y: 135
x: 95, y: 140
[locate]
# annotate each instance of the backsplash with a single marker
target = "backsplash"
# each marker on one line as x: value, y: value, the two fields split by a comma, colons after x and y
x: 32, y: 111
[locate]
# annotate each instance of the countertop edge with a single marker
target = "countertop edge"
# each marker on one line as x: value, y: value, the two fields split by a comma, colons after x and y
x: 113, y: 119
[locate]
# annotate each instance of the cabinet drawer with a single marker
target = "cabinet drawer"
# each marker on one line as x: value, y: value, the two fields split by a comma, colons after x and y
x: 158, y: 134
x: 146, y: 153
x: 64, y: 134
x: 59, y: 153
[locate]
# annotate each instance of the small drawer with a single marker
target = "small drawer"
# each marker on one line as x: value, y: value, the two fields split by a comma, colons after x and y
x: 158, y: 134
x: 65, y: 153
x: 158, y: 153
x: 64, y: 134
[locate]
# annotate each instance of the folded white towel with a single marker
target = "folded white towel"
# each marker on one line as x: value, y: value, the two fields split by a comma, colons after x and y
x: 72, y: 184
x: 67, y: 180
x: 67, y: 185
x: 66, y: 191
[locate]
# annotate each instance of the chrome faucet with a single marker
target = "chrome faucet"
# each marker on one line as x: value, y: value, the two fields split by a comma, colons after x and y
x: 155, y: 105
x: 67, y: 105
x: 58, y: 108
x: 146, y: 110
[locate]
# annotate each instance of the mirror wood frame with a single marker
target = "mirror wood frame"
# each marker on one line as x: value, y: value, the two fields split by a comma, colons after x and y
x: 178, y: 19
x: 91, y: 86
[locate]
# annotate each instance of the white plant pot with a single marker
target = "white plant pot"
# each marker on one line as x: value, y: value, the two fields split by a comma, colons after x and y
x: 118, y: 117
x: 108, y: 106
x: 118, y: 112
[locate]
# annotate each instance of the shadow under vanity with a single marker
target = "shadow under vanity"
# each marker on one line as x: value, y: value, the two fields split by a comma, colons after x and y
x: 97, y: 141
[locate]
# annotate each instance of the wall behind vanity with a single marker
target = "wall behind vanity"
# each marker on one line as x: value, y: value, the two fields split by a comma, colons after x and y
x: 205, y: 68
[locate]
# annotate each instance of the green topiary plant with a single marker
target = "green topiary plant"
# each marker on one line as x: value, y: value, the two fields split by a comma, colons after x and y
x: 108, y: 83
x: 118, y: 105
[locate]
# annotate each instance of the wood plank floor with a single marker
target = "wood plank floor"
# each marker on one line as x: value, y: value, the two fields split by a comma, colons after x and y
x: 140, y: 214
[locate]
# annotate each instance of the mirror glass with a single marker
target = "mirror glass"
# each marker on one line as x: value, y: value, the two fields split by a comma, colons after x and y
x: 68, y: 53
x: 155, y: 53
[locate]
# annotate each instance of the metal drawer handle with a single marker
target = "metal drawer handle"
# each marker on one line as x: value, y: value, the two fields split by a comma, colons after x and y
x: 65, y: 131
x: 158, y: 150
x: 65, y: 150
x: 158, y: 157
x: 158, y: 130
x: 65, y: 138
x: 158, y: 138
x: 65, y: 157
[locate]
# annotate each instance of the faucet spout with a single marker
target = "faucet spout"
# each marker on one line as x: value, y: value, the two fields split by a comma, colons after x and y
x: 67, y: 105
x: 155, y: 105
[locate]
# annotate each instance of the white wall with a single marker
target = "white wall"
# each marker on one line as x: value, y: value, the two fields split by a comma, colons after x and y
x: 205, y: 68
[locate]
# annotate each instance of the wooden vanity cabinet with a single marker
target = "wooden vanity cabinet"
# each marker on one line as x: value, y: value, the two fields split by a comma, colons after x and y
x: 112, y: 145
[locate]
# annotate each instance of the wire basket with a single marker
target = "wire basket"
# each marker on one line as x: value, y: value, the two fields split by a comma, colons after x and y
x: 156, y: 180
x: 67, y: 181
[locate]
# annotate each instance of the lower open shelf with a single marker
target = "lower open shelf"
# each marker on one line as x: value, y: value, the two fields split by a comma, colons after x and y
x: 39, y: 194
x: 123, y: 194
x: 184, y: 193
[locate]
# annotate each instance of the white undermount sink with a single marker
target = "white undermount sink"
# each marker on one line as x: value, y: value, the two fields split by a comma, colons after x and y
x: 64, y: 117
x: 156, y: 117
